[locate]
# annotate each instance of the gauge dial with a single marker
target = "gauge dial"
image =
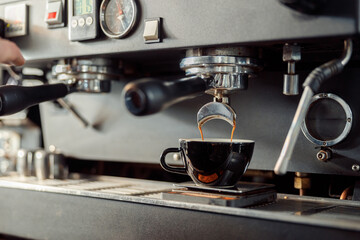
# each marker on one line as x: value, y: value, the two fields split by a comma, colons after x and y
x: 117, y: 17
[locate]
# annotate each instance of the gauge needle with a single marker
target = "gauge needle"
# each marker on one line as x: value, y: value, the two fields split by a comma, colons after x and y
x: 121, y: 18
x: 119, y: 8
x: 121, y: 14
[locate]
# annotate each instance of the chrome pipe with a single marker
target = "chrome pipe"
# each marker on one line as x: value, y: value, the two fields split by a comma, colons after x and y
x: 290, y: 141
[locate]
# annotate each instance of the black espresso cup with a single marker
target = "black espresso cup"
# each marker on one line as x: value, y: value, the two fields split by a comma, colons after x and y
x: 214, y: 162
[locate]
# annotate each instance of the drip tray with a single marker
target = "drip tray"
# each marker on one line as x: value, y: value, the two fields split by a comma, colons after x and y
x: 242, y: 195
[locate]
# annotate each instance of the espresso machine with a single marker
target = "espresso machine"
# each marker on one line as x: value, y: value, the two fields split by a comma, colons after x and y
x: 108, y: 85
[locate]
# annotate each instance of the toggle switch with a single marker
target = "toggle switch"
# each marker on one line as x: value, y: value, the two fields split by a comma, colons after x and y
x: 54, y: 14
x: 51, y: 15
x: 152, y: 30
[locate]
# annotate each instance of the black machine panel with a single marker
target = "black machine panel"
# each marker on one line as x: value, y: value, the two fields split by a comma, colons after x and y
x: 264, y: 113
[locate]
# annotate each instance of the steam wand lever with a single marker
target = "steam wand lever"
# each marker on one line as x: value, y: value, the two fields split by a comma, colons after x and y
x: 311, y: 85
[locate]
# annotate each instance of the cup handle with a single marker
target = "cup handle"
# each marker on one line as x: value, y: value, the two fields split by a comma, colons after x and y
x: 164, y: 165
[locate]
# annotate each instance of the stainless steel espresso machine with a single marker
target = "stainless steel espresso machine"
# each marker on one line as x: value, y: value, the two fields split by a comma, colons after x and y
x: 119, y: 81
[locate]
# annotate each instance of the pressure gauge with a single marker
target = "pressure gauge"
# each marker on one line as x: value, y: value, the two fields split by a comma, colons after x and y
x: 117, y: 17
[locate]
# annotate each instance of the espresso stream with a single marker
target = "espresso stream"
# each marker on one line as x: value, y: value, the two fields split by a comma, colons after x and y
x: 232, y: 131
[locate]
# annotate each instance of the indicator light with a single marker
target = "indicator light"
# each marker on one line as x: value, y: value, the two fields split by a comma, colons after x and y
x: 51, y: 15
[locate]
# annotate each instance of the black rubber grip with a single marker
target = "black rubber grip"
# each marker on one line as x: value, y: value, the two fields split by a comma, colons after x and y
x: 16, y: 98
x: 148, y: 96
x: 320, y: 74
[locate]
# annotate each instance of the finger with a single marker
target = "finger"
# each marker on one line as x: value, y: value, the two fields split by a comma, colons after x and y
x: 10, y: 53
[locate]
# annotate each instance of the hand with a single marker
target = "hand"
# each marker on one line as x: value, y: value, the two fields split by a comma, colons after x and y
x: 10, y: 53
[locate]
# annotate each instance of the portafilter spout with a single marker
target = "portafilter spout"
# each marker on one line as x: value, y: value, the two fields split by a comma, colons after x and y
x: 311, y: 85
x: 216, y: 110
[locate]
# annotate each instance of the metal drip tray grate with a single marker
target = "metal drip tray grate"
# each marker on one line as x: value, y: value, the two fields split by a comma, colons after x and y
x: 97, y: 185
x: 101, y: 184
x: 136, y: 189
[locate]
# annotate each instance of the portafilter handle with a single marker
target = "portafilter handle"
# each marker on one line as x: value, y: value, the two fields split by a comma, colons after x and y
x: 148, y: 96
x: 13, y: 99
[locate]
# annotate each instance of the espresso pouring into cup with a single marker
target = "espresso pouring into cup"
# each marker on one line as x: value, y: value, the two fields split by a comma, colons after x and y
x: 216, y: 110
x: 214, y: 162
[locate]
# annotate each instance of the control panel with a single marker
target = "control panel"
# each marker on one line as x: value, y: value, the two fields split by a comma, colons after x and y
x: 83, y: 19
x: 139, y: 25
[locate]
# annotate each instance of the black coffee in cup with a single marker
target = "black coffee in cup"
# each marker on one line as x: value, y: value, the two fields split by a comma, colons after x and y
x: 214, y: 162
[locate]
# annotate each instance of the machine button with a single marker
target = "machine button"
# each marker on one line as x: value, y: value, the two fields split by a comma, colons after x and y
x: 54, y: 13
x: 74, y: 23
x: 152, y: 30
x: 89, y: 21
x: 81, y: 22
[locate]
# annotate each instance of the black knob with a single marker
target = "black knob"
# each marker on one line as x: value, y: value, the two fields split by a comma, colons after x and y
x: 16, y: 98
x: 305, y: 6
x: 148, y: 96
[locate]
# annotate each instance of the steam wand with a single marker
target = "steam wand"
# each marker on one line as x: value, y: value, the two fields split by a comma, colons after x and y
x: 311, y: 85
